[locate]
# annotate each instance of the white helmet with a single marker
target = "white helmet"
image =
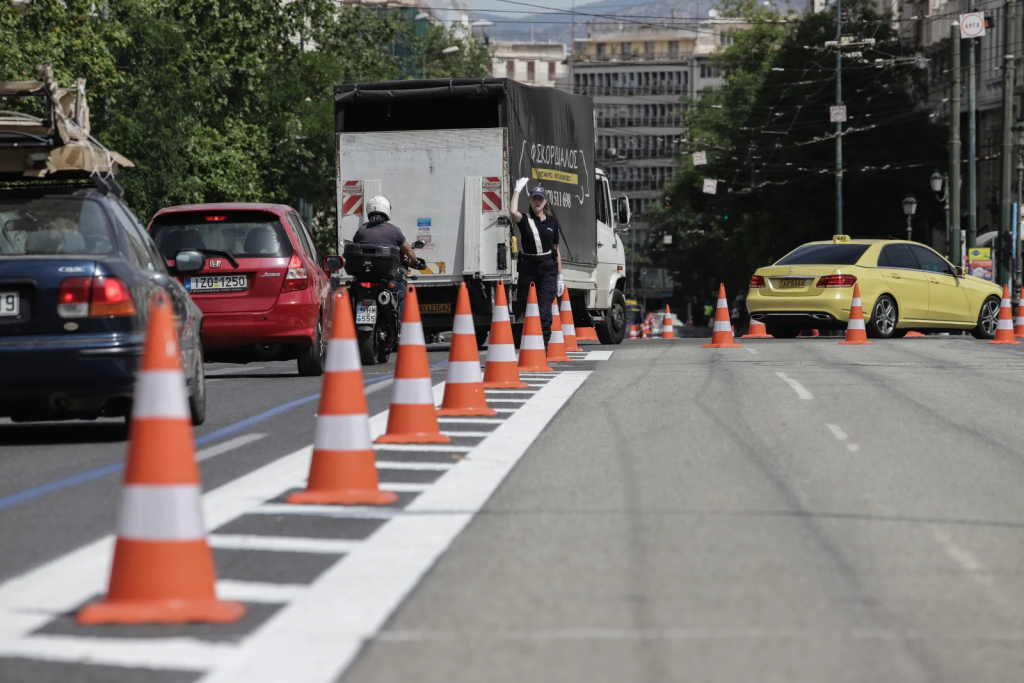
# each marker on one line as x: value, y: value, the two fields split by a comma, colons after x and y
x: 379, y: 205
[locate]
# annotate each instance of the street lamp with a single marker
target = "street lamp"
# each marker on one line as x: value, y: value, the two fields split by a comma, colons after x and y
x: 446, y: 51
x: 909, y: 208
x: 940, y: 186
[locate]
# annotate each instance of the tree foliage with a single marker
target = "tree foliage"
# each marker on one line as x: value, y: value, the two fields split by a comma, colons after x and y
x: 224, y: 100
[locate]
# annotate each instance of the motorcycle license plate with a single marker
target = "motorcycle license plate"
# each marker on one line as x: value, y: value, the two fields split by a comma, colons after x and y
x: 366, y: 314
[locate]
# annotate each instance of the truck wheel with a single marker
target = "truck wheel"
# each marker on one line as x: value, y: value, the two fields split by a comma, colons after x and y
x: 481, y: 336
x: 612, y: 330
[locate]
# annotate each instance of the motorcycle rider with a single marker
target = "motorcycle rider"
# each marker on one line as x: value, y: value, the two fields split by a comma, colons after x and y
x: 378, y: 231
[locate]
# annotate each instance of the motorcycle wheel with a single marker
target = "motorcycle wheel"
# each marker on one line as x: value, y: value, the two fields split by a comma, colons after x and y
x: 367, y: 346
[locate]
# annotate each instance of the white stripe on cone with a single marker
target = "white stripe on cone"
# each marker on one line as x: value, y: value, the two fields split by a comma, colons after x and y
x: 722, y: 326
x: 169, y: 512
x: 500, y: 315
x: 463, y: 325
x: 532, y: 342
x: 416, y: 391
x: 501, y: 353
x: 856, y: 324
x: 722, y: 303
x: 1004, y: 303
x: 1005, y: 325
x: 532, y: 310
x: 568, y: 330
x: 412, y: 335
x: 160, y: 394
x: 342, y: 355
x: 342, y: 433
x: 856, y: 302
x: 464, y: 372
x: 556, y: 337
x: 566, y: 306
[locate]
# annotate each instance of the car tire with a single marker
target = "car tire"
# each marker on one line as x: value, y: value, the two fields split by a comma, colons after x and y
x: 367, y: 346
x: 612, y: 330
x: 197, y: 401
x: 782, y: 332
x: 884, y: 316
x: 311, y: 360
x: 988, y: 319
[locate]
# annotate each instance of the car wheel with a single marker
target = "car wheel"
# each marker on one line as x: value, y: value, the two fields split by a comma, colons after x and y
x: 612, y: 330
x: 884, y: 315
x: 197, y: 401
x: 311, y: 360
x: 988, y: 319
x: 781, y: 332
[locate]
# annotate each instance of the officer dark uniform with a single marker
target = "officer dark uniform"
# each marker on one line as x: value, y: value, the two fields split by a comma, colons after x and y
x: 538, y: 262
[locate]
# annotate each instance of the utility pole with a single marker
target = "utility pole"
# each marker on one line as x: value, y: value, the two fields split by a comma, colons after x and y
x: 972, y: 150
x: 954, y: 148
x: 839, y: 124
x: 1005, y: 268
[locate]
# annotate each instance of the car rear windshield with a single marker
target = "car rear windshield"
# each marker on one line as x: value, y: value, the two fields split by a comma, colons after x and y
x: 243, y: 234
x: 54, y: 225
x: 825, y: 255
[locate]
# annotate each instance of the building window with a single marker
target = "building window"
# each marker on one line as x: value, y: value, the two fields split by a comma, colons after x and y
x: 531, y: 70
x: 649, y: 49
x: 673, y: 49
x: 510, y: 68
x: 627, y: 50
x: 551, y: 71
x: 602, y: 50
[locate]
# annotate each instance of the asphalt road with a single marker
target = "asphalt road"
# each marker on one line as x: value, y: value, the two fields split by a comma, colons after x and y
x: 788, y: 511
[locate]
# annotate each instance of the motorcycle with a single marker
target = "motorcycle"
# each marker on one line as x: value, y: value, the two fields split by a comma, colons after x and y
x: 374, y: 301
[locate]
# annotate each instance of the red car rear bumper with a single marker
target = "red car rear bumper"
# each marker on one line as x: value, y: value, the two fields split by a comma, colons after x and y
x: 286, y: 323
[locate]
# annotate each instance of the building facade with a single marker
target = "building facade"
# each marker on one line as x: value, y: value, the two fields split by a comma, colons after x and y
x: 531, y: 63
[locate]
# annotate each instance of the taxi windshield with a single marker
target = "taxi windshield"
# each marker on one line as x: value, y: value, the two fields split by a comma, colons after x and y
x: 824, y: 255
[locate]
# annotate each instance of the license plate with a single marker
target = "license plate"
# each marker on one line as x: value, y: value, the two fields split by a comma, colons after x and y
x: 792, y: 284
x: 366, y: 314
x: 10, y: 303
x: 217, y: 283
x: 435, y: 308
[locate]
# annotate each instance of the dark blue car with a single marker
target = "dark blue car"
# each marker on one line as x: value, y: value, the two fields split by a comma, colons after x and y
x: 77, y: 272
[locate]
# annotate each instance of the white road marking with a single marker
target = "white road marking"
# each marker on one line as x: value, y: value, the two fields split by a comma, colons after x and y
x: 598, y: 355
x: 403, y: 487
x: 800, y: 390
x: 505, y: 410
x: 228, y: 371
x: 254, y: 591
x: 492, y: 399
x: 311, y: 640
x: 282, y: 544
x: 357, y: 511
x: 502, y: 392
x: 852, y: 447
x: 471, y: 420
x: 970, y: 564
x: 398, y: 465
x: 183, y: 654
x: 838, y: 432
x: 752, y: 350
x: 463, y: 434
x: 225, y: 446
x: 421, y: 448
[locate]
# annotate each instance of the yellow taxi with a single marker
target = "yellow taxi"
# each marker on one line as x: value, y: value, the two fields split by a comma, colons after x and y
x: 904, y: 286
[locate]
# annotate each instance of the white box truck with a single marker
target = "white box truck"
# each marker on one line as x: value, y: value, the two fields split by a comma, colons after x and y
x: 446, y: 153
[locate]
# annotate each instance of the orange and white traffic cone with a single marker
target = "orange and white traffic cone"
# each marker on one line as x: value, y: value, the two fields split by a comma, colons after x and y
x: 532, y: 356
x: 163, y: 570
x: 645, y: 330
x: 1004, y: 328
x: 464, y: 388
x: 632, y: 332
x: 667, y: 332
x: 1018, y: 329
x: 502, y: 369
x: 568, y: 326
x: 412, y: 417
x: 584, y: 333
x: 721, y: 333
x: 912, y: 334
x: 757, y: 330
x: 556, y: 345
x: 343, y: 470
x: 856, y: 333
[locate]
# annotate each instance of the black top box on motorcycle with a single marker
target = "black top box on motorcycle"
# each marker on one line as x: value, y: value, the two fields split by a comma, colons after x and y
x: 371, y: 261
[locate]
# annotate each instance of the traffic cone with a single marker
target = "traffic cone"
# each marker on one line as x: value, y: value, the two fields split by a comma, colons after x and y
x: 645, y: 330
x: 632, y: 332
x: 1004, y: 329
x: 556, y: 345
x: 1018, y: 329
x: 502, y: 370
x: 912, y: 334
x: 464, y: 389
x: 532, y: 357
x: 343, y: 470
x: 721, y: 334
x: 757, y: 330
x: 583, y: 333
x: 568, y: 326
x: 163, y: 569
x: 412, y: 417
x: 666, y: 325
x: 855, y: 331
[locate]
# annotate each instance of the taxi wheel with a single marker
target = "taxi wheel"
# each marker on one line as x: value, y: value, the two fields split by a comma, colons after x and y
x: 988, y: 319
x: 884, y: 315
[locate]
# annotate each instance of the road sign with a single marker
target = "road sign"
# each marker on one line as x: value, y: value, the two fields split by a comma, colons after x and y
x: 972, y: 25
x: 710, y: 186
x: 700, y: 158
x: 666, y: 239
x: 837, y: 113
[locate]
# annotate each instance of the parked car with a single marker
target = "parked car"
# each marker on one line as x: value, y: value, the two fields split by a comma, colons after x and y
x: 77, y: 273
x: 262, y: 290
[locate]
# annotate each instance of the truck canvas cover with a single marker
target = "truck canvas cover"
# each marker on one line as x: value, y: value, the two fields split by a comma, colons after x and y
x: 551, y: 136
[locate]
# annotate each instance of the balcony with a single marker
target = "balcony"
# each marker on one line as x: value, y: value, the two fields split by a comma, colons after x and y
x: 630, y: 90
x: 631, y: 58
x: 675, y: 121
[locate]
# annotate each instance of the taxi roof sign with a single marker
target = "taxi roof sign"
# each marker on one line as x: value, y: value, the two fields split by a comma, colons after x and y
x: 840, y: 239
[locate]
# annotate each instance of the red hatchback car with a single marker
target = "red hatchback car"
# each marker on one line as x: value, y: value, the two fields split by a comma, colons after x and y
x: 262, y: 291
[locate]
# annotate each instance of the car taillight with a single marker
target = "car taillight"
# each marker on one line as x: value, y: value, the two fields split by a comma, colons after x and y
x: 297, y: 277
x: 837, y: 281
x: 757, y: 282
x: 73, y: 299
x: 94, y: 297
x: 110, y: 296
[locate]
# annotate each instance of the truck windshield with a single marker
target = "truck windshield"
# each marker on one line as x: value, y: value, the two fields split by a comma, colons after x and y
x: 243, y: 234
x: 53, y: 225
x: 825, y: 255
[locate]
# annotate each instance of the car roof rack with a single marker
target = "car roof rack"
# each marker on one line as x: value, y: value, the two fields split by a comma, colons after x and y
x: 45, y: 134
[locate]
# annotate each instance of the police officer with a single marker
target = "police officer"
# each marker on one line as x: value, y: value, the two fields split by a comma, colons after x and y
x: 379, y: 232
x: 539, y: 259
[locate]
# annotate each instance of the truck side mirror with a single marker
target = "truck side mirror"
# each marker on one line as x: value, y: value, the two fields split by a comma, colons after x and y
x: 624, y: 214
